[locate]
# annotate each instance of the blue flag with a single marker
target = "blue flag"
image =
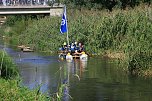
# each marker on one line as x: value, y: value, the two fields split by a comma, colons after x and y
x: 63, y: 28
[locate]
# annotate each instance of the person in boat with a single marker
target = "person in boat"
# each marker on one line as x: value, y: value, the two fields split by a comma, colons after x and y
x: 69, y: 57
x: 64, y: 47
x: 81, y: 47
x: 76, y: 47
x: 72, y: 48
x: 84, y: 56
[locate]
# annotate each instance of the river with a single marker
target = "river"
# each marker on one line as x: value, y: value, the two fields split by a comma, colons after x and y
x: 98, y: 79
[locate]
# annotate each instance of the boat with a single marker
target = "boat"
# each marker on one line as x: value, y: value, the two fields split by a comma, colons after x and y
x: 66, y: 53
x: 70, y: 56
x: 25, y: 48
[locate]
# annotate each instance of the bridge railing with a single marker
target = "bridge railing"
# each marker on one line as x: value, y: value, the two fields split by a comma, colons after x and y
x: 26, y: 2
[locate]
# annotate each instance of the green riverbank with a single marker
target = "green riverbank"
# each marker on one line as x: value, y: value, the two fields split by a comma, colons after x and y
x: 10, y: 88
x: 11, y: 91
x: 103, y: 33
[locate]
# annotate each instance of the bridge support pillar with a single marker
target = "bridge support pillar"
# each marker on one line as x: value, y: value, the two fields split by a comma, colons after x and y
x: 56, y: 12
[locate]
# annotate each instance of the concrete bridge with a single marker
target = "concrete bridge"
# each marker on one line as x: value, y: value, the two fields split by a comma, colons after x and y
x: 35, y: 9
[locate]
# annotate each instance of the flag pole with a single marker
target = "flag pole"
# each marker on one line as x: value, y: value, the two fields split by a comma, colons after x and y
x: 67, y: 30
x: 67, y: 38
x: 64, y: 25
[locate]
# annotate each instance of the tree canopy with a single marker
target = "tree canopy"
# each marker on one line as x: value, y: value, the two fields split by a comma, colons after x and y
x: 108, y: 4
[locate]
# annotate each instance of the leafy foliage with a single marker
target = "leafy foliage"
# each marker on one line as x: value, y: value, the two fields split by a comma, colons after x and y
x: 7, y: 68
x: 108, y: 4
x: 126, y: 31
x: 10, y: 90
x: 140, y: 62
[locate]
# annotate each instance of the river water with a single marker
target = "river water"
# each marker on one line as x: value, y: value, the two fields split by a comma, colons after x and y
x: 98, y: 79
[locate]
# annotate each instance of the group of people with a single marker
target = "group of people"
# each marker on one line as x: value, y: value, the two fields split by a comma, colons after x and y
x: 73, y: 47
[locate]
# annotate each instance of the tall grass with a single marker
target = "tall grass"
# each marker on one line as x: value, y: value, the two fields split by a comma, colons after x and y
x: 9, y: 83
x: 140, y: 63
x: 8, y: 69
x: 10, y: 91
x: 127, y: 31
x: 99, y: 30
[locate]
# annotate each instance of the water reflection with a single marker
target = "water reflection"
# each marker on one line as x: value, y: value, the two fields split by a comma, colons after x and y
x: 95, y: 80
x: 71, y: 70
x: 48, y: 72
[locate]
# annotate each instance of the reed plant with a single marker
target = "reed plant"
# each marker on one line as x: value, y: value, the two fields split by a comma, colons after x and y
x: 11, y: 88
x: 140, y: 63
x: 10, y: 83
x: 125, y: 31
x: 11, y: 91
x: 8, y: 69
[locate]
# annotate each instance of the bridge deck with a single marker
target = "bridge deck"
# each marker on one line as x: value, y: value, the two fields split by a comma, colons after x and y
x: 24, y: 6
x: 34, y: 9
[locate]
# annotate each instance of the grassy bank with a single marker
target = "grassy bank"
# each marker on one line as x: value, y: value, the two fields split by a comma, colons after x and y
x: 122, y: 31
x: 10, y: 88
x: 10, y: 91
x: 8, y: 69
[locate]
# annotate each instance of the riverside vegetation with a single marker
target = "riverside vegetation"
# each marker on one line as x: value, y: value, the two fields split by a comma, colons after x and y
x: 10, y: 83
x: 12, y: 90
x: 127, y: 32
